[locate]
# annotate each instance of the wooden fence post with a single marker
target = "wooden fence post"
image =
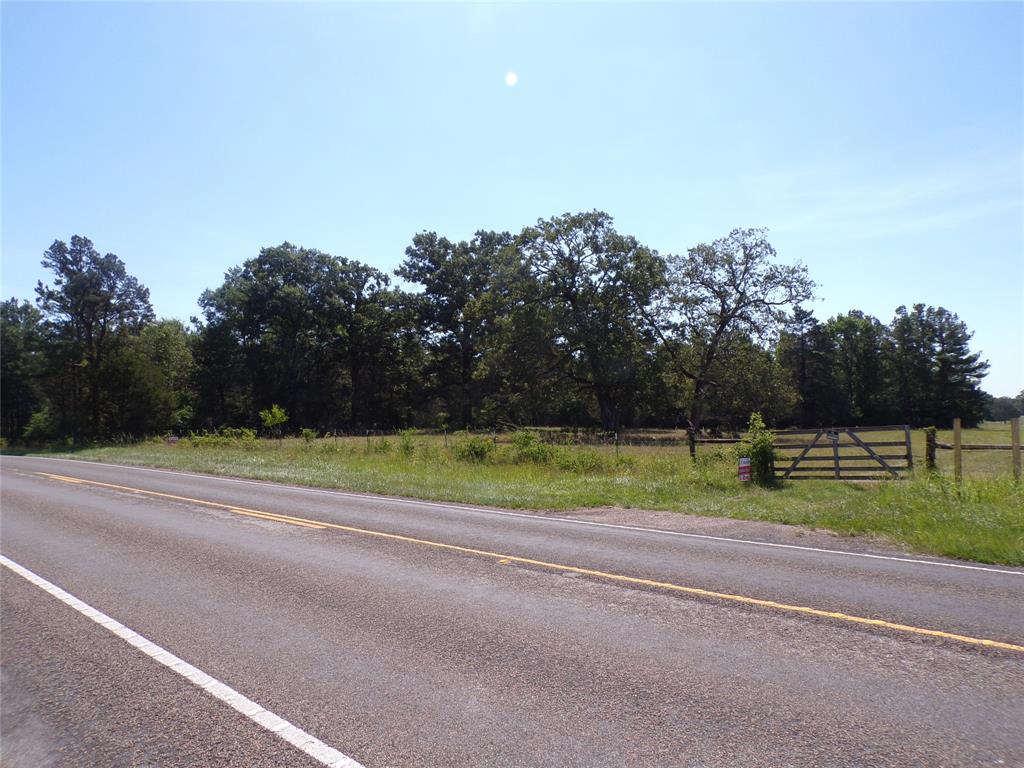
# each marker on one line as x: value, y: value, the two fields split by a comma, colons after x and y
x: 910, y: 448
x: 958, y: 469
x: 929, y: 448
x: 1015, y: 446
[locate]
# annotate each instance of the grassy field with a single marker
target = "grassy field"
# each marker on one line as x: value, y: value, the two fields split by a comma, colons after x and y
x: 983, y: 520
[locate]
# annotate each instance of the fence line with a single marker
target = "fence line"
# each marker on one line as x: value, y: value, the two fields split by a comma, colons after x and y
x: 958, y: 447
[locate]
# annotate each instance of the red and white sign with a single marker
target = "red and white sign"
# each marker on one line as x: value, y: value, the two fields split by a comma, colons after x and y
x: 745, y: 469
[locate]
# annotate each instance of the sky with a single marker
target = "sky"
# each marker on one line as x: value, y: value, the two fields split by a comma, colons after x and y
x: 882, y: 145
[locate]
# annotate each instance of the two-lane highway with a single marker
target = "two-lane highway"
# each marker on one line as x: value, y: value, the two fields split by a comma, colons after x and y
x: 396, y: 632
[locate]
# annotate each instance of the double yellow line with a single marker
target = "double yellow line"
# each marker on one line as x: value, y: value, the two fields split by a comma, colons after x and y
x: 505, y: 559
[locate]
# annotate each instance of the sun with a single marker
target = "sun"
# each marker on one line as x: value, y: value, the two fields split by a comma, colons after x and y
x: 511, y: 78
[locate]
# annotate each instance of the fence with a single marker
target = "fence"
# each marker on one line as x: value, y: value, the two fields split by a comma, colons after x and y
x: 839, y: 453
x: 844, y: 453
x: 958, y: 446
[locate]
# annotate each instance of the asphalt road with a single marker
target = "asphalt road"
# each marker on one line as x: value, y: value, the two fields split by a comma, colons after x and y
x: 415, y: 634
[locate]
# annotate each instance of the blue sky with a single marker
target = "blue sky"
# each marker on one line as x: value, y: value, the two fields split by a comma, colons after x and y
x: 882, y: 145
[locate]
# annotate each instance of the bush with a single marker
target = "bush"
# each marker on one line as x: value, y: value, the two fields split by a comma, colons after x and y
x: 41, y: 426
x: 223, y: 438
x: 581, y: 460
x: 475, y: 448
x: 759, y: 447
x: 406, y: 446
x: 309, y: 435
x: 527, y: 447
x: 273, y: 419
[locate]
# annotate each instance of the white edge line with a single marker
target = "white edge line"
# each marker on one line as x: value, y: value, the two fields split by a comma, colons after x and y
x: 542, y: 518
x: 312, y: 746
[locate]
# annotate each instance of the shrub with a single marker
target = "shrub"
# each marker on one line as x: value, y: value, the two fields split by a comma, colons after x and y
x: 41, y: 426
x: 225, y: 437
x: 759, y: 446
x: 580, y: 460
x: 406, y: 446
x: 527, y: 447
x: 475, y: 448
x: 273, y: 419
x: 309, y: 435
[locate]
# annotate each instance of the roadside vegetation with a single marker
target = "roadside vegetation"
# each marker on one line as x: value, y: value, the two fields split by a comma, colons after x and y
x: 982, y: 520
x: 567, y: 322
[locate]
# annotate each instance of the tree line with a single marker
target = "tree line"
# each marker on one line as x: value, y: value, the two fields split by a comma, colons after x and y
x: 566, y: 323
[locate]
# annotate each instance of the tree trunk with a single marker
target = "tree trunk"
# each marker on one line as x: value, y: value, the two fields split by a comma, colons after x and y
x: 356, y: 407
x: 696, y: 414
x: 609, y: 413
x: 466, y: 380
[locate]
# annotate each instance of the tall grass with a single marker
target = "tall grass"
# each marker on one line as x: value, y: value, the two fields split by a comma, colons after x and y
x: 982, y: 520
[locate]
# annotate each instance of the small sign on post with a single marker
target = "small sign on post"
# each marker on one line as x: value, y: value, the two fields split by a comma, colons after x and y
x: 744, y: 469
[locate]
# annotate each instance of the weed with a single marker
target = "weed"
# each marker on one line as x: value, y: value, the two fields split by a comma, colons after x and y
x: 981, y: 520
x: 406, y: 445
x: 473, y: 448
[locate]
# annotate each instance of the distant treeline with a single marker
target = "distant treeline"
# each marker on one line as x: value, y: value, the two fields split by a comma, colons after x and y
x: 566, y: 323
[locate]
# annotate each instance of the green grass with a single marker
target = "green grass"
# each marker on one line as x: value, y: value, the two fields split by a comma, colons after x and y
x: 983, y: 520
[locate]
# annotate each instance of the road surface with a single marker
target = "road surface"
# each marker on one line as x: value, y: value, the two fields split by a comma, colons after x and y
x: 346, y: 629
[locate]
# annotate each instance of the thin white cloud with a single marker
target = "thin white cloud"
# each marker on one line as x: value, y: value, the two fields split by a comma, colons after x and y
x: 958, y: 191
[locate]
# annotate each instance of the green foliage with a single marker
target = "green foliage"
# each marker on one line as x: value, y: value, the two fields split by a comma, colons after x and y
x: 473, y: 448
x: 853, y: 369
x: 149, y: 380
x: 568, y: 323
x: 1003, y: 408
x: 308, y: 435
x: 90, y: 310
x: 407, y: 443
x: 461, y: 288
x: 226, y: 437
x: 273, y: 418
x: 598, y: 288
x: 324, y: 336
x: 42, y: 426
x: 22, y: 342
x: 528, y: 447
x: 583, y: 461
x: 981, y: 521
x: 727, y: 292
x: 759, y: 447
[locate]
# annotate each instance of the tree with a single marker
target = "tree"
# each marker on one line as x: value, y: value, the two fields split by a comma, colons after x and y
x: 1003, y: 409
x: 724, y: 292
x: 597, y: 285
x: 456, y: 310
x: 937, y: 375
x: 21, y: 365
x: 93, y: 304
x: 913, y: 364
x: 958, y: 371
x: 273, y: 418
x: 275, y: 322
x: 862, y: 368
x: 149, y: 380
x: 806, y: 350
x: 317, y: 333
x: 755, y: 381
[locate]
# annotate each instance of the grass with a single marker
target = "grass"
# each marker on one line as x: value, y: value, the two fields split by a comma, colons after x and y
x: 983, y: 520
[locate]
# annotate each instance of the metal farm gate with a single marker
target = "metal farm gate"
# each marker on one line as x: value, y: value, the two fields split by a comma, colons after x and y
x: 844, y: 453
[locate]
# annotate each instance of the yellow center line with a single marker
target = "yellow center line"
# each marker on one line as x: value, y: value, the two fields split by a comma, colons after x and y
x: 505, y: 558
x: 277, y: 518
x: 230, y: 507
